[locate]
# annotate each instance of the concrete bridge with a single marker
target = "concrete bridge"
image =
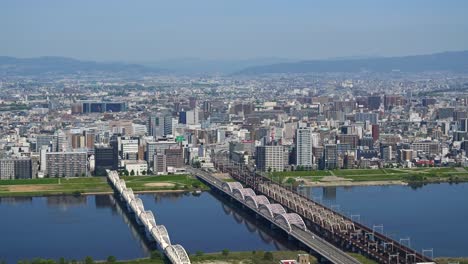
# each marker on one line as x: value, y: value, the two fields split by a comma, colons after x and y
x: 157, y: 233
x: 333, y: 227
x: 277, y: 215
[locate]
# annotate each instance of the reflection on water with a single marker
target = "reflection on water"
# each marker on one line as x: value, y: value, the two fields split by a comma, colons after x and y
x: 431, y: 215
x: 210, y: 223
x: 66, y: 226
x: 15, y: 200
x: 66, y: 201
x: 78, y: 226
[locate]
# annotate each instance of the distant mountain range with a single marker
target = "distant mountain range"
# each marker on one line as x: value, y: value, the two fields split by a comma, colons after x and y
x: 61, y: 65
x: 200, y: 66
x: 447, y: 61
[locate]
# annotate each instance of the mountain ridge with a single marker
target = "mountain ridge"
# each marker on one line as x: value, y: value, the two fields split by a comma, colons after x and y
x: 64, y: 65
x: 456, y: 61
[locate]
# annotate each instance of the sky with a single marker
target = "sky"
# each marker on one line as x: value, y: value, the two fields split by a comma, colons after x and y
x: 152, y: 30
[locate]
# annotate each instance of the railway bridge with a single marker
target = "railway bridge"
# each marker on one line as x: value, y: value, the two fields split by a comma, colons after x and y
x: 277, y: 215
x: 157, y: 233
x: 333, y: 227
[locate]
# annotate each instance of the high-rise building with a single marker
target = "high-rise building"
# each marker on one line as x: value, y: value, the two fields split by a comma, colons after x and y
x: 100, y: 107
x: 270, y: 158
x: 352, y: 140
x: 66, y: 164
x: 463, y: 125
x: 375, y: 132
x: 391, y: 101
x: 46, y: 140
x: 183, y: 117
x: 156, y: 125
x: 304, y: 143
x: 373, y: 102
x: 160, y: 165
x: 330, y: 156
x: 373, y: 118
x: 386, y: 152
x: 105, y: 159
x: 169, y: 125
x: 193, y: 102
x: 16, y: 169
x: 174, y: 157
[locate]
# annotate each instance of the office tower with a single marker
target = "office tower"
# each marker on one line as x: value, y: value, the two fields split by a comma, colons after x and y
x: 463, y: 125
x: 46, y: 140
x: 61, y: 141
x: 100, y: 107
x: 270, y: 157
x: 304, y: 143
x: 391, y: 101
x: 386, y: 152
x: 206, y: 107
x: 428, y: 101
x: 129, y: 148
x: 192, y: 117
x: 174, y: 157
x: 363, y: 117
x: 155, y: 125
x: 330, y: 156
x: 160, y: 165
x: 375, y: 132
x: 374, y: 102
x: 352, y: 140
x: 105, y: 159
x: 367, y: 141
x: 168, y: 125
x: 445, y: 113
x: 193, y: 102
x: 66, y: 164
x: 183, y: 117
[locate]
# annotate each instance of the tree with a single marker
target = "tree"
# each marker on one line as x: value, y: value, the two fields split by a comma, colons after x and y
x: 143, y: 173
x: 126, y: 173
x: 111, y: 259
x: 132, y: 173
x: 225, y: 252
x: 268, y: 256
x: 62, y: 261
x: 199, y: 253
x: 89, y: 260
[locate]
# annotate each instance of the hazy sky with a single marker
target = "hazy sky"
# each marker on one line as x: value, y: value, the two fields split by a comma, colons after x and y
x: 148, y: 30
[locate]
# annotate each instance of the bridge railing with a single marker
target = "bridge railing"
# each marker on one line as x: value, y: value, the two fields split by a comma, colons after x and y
x: 339, y: 224
x: 158, y: 233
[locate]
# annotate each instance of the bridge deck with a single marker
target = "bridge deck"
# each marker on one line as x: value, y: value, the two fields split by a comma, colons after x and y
x: 309, y: 239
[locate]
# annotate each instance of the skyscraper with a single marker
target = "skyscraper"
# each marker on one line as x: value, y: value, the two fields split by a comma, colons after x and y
x: 330, y: 156
x: 304, y: 143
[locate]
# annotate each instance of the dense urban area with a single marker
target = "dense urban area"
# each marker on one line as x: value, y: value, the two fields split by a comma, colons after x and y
x: 80, y: 126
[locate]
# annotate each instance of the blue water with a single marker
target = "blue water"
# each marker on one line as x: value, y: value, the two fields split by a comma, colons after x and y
x: 76, y: 227
x: 204, y: 223
x: 65, y: 226
x: 433, y: 216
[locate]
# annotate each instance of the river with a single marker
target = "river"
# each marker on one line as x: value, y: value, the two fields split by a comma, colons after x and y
x: 432, y: 216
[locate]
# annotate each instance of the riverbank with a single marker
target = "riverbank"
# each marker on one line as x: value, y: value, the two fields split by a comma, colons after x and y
x: 452, y: 260
x: 98, y: 185
x: 371, y: 177
x: 225, y: 257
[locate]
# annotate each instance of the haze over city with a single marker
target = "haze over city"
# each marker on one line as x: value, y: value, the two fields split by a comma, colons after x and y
x: 145, y: 30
